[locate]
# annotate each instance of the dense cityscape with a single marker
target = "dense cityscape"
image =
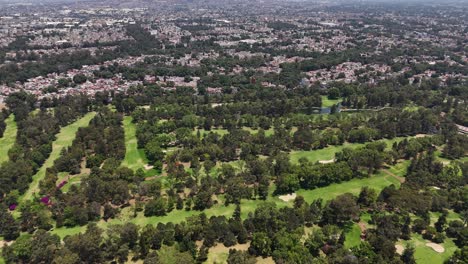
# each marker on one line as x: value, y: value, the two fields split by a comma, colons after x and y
x: 263, y: 131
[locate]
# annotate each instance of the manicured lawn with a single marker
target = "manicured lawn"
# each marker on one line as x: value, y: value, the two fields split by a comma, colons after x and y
x: 204, y: 132
x: 64, y: 139
x: 134, y: 158
x: 328, y: 153
x: 72, y: 181
x: 451, y: 216
x: 378, y: 182
x: 424, y: 254
x: 268, y: 132
x: 8, y: 139
x: 444, y: 160
x: 329, y: 103
x: 222, y: 132
x: 400, y: 169
x: 354, y: 186
x: 353, y: 236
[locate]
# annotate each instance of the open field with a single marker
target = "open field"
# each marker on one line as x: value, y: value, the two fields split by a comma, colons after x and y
x: 8, y: 139
x: 328, y: 153
x: 134, y: 158
x: 354, y: 186
x: 220, y: 253
x: 353, y: 236
x: 329, y: 103
x: 377, y: 182
x: 64, y: 139
x: 203, y: 132
x: 424, y: 254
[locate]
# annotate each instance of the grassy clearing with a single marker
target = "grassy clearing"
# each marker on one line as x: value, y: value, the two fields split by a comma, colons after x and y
x: 354, y: 186
x: 204, y: 132
x: 220, y: 253
x: 70, y: 182
x: 252, y: 131
x: 377, y: 182
x: 400, y: 169
x: 64, y: 139
x: 328, y: 153
x: 450, y: 217
x: 329, y: 103
x: 353, y: 236
x: 134, y: 158
x: 424, y: 254
x: 8, y: 139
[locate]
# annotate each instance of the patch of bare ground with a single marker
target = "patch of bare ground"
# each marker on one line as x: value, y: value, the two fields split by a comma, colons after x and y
x: 399, y: 249
x: 5, y: 243
x: 268, y: 260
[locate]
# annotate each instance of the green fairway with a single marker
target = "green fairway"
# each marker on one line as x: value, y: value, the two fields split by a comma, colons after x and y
x: 378, y: 182
x: 64, y: 139
x: 204, y: 132
x: 424, y: 254
x: 328, y: 102
x: 70, y: 182
x: 134, y: 158
x: 328, y: 153
x: 8, y: 139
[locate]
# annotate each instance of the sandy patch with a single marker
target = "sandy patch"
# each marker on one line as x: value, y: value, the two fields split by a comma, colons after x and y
x: 5, y: 243
x: 287, y: 197
x: 436, y: 247
x: 399, y: 249
x: 214, y: 105
x: 148, y: 167
x: 326, y: 161
x: 420, y: 135
x: 268, y: 260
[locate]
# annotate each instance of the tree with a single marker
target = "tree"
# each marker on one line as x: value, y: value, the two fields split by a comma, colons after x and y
x: 240, y: 257
x: 408, y: 255
x: 260, y: 245
x: 315, y: 242
x: 156, y: 207
x: 9, y: 228
x: 341, y: 209
x: 367, y: 196
x: 333, y: 93
x: 287, y: 183
x: 79, y: 78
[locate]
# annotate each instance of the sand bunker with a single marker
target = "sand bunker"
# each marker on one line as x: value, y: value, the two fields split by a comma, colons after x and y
x: 148, y: 167
x: 326, y: 161
x: 399, y: 249
x: 436, y: 247
x: 288, y: 197
x: 5, y: 243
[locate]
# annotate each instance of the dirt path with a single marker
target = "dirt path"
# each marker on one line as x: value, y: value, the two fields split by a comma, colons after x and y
x: 399, y: 178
